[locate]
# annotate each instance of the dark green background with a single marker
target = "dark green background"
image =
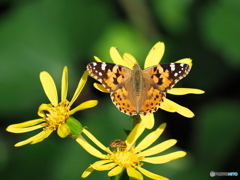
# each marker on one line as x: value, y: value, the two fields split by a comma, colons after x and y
x: 46, y: 35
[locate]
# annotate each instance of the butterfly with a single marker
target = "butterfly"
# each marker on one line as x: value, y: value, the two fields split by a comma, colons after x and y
x: 136, y: 91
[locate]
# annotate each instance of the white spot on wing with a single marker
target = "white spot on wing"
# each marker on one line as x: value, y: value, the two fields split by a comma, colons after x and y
x: 172, y: 65
x: 104, y: 66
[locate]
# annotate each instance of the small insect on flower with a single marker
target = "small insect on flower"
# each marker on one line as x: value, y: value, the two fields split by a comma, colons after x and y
x: 126, y: 155
x: 118, y: 144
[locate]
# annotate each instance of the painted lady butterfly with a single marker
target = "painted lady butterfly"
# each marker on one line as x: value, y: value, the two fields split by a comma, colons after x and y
x: 135, y: 91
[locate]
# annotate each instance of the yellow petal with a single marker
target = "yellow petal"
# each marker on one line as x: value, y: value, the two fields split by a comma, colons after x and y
x: 41, y: 136
x: 42, y: 109
x: 150, y: 138
x: 150, y: 174
x: 23, y: 130
x: 103, y: 165
x: 63, y: 130
x: 115, y: 56
x: 97, y: 59
x: 155, y: 55
x: 178, y: 108
x: 89, y: 148
x: 133, y: 173
x: 159, y: 148
x: 167, y: 107
x: 87, y: 172
x: 115, y: 171
x: 185, y: 61
x: 36, y: 138
x: 21, y: 126
x: 84, y: 105
x: 27, y: 141
x: 148, y: 120
x: 134, y: 134
x: 95, y: 141
x: 165, y: 158
x: 49, y: 87
x: 129, y: 60
x: 80, y: 86
x: 64, y: 89
x: 100, y: 88
x: 183, y: 91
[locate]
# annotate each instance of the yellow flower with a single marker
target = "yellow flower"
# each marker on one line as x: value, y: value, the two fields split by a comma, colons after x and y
x: 126, y: 155
x: 53, y: 116
x: 154, y: 57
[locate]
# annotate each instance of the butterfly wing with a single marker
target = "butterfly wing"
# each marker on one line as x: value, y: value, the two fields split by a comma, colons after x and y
x: 115, y: 79
x: 108, y: 74
x: 159, y: 79
x: 165, y: 76
x: 124, y: 101
x: 152, y: 99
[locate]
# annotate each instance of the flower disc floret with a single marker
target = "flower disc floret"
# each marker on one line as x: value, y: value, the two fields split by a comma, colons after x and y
x: 54, y: 116
x: 125, y: 158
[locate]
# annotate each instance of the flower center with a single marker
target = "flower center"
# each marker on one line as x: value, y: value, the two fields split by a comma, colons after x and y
x: 54, y: 115
x: 126, y: 158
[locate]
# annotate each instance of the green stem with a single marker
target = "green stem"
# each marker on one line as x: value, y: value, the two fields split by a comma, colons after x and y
x: 122, y: 176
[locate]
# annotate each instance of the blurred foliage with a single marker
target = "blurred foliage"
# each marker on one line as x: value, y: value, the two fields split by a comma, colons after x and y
x: 49, y: 34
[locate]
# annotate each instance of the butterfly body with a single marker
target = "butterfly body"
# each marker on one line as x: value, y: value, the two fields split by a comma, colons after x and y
x: 136, y: 91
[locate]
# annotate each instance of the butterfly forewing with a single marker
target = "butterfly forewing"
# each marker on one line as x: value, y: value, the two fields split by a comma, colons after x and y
x: 165, y: 76
x: 108, y: 74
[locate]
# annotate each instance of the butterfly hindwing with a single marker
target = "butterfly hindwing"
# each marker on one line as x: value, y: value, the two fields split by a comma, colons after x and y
x: 151, y: 101
x: 123, y: 101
